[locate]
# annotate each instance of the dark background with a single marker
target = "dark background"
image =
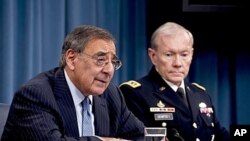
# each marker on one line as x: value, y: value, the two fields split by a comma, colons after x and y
x: 224, y: 27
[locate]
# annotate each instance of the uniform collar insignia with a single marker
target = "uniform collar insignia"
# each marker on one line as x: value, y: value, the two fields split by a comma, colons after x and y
x: 162, y: 88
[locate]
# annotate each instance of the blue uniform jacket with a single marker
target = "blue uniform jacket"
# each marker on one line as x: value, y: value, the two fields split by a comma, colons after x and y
x: 157, y: 105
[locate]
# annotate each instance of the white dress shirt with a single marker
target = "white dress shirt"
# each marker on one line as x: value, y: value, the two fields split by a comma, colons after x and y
x: 78, y: 97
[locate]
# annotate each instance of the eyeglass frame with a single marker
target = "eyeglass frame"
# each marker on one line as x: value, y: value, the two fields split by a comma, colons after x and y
x: 98, y: 61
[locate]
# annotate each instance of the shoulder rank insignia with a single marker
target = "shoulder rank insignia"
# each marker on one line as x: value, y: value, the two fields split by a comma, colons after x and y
x: 131, y: 83
x: 199, y: 86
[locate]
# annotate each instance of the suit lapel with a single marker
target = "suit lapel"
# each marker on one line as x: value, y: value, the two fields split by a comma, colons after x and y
x: 65, y: 104
x: 101, y: 116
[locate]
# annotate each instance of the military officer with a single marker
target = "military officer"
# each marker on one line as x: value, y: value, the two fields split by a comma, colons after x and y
x: 163, y: 98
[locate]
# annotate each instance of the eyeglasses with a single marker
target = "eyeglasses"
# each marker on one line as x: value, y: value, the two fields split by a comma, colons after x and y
x: 102, y: 60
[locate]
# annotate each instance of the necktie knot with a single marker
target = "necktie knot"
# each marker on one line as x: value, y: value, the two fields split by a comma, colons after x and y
x: 86, y: 104
x: 180, y: 92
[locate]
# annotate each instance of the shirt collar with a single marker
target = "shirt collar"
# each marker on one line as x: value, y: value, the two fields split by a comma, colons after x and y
x: 173, y: 86
x: 77, y: 96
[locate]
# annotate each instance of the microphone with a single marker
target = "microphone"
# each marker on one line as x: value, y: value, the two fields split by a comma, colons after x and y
x: 174, y: 135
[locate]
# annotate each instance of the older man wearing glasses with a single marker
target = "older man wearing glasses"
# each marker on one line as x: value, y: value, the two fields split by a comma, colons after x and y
x: 75, y: 102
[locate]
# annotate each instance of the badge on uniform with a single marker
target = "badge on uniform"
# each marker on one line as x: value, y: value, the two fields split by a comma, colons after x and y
x: 161, y: 108
x: 205, y: 110
x: 162, y: 112
x: 164, y: 116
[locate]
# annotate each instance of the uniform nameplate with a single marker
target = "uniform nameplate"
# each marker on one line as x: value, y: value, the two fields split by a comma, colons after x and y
x: 157, y: 109
x: 163, y: 116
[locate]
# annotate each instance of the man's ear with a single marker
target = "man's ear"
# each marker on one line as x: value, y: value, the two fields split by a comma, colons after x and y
x: 151, y: 54
x: 70, y: 57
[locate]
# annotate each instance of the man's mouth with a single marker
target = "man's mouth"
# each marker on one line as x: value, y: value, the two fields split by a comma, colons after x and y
x: 102, y: 81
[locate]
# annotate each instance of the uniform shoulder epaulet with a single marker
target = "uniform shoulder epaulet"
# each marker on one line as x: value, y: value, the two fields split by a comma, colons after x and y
x: 199, y: 86
x: 131, y: 83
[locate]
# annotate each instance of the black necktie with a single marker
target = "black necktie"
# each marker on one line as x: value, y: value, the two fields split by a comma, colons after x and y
x: 180, y: 92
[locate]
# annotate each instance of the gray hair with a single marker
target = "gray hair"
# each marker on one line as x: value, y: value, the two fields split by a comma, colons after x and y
x: 79, y: 37
x: 169, y: 29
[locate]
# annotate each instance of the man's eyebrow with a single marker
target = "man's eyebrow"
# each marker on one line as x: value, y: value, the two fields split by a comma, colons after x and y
x: 101, y: 53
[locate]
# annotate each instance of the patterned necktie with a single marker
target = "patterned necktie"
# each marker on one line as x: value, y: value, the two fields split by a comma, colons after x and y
x: 87, y: 129
x: 180, y: 92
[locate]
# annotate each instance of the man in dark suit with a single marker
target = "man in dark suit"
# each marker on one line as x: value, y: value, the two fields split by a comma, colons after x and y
x: 164, y: 99
x: 49, y: 106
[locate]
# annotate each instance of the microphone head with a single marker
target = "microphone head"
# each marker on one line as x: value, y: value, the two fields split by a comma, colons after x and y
x: 175, y: 132
x: 174, y: 135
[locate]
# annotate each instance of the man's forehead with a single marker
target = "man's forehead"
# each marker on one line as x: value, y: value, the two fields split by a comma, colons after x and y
x: 101, y: 45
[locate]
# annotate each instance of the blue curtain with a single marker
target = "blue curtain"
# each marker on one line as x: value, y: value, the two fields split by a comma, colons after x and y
x: 32, y: 33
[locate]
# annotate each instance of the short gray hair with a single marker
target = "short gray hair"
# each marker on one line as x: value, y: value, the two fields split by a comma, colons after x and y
x: 79, y: 37
x: 169, y: 29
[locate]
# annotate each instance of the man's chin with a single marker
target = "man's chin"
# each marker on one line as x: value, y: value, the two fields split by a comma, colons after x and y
x: 99, y: 88
x: 176, y: 81
x: 99, y: 91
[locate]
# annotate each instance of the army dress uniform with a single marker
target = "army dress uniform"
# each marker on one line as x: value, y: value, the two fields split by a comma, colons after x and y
x: 156, y: 104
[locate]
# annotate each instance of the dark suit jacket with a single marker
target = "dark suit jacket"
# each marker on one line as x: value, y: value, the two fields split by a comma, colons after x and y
x: 43, y: 109
x: 191, y: 123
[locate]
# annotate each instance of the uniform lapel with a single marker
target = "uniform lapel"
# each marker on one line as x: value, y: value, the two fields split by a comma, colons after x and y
x: 164, y: 92
x: 193, y: 99
x: 101, y: 116
x: 171, y: 98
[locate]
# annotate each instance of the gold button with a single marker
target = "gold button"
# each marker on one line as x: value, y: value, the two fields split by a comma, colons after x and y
x: 164, y: 124
x: 197, y: 139
x: 212, y: 124
x: 194, y: 125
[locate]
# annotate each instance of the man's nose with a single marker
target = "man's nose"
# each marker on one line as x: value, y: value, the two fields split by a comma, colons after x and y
x: 177, y: 60
x: 109, y: 67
